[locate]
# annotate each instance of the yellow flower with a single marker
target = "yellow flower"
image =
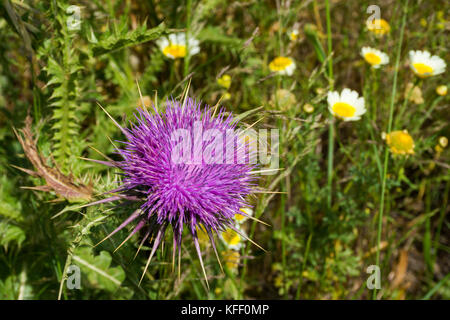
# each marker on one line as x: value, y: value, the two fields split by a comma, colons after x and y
x: 224, y: 81
x: 241, y: 218
x: 282, y: 66
x: 441, y: 90
x: 400, y: 142
x: 423, y: 22
x: 413, y: 94
x: 443, y: 141
x: 202, y: 235
x: 231, y: 259
x: 226, y: 96
x: 283, y: 99
x: 231, y: 238
x: 249, y: 138
x: 374, y: 57
x: 379, y: 27
x: 308, y: 108
x: 145, y: 102
x: 424, y: 65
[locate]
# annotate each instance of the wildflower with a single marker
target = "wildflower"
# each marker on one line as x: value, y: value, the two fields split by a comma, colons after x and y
x: 282, y: 66
x: 176, y: 47
x: 144, y: 102
x: 202, y: 235
x: 226, y: 96
x: 442, y: 90
x: 424, y: 65
x: 347, y: 105
x: 293, y: 34
x: 243, y: 217
x: 308, y: 108
x: 374, y: 57
x: 320, y: 91
x: 224, y: 81
x: 379, y: 27
x: 423, y: 22
x: 400, y: 142
x: 231, y: 238
x: 443, y: 141
x: 413, y: 93
x: 283, y: 99
x: 231, y: 259
x: 178, y: 194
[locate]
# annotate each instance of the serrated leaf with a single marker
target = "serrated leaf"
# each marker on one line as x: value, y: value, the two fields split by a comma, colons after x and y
x: 98, y: 270
x: 10, y: 233
x: 113, y: 42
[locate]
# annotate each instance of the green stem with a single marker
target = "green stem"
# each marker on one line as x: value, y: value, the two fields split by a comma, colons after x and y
x: 308, y: 245
x: 386, y: 151
x: 188, y: 27
x: 331, y: 119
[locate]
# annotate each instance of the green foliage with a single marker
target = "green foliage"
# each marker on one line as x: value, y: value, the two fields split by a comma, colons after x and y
x: 98, y: 268
x: 59, y: 75
x: 119, y: 39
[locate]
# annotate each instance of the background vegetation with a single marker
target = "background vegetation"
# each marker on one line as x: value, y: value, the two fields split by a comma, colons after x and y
x: 314, y: 250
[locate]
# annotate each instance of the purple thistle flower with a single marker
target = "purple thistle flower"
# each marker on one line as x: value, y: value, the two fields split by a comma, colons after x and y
x: 187, y: 168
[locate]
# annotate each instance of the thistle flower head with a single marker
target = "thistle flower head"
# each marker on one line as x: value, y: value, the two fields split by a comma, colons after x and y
x: 183, y: 167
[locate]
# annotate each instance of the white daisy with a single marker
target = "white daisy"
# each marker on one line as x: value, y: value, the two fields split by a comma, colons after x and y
x: 293, y: 34
x: 374, y: 57
x: 242, y: 217
x: 232, y: 239
x: 282, y: 66
x: 424, y: 65
x: 347, y: 105
x: 175, y: 45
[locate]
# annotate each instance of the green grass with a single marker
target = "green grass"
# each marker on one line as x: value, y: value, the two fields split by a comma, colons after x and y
x: 342, y: 201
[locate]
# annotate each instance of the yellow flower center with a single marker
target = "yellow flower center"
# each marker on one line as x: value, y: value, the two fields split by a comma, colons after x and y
x: 422, y: 69
x: 231, y: 237
x: 239, y: 217
x: 175, y: 51
x: 372, y: 58
x: 400, y: 142
x: 280, y: 63
x: 343, y: 110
